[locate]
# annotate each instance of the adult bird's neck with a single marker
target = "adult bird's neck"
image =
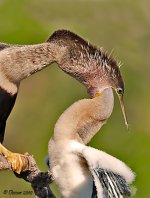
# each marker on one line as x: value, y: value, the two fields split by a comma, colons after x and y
x: 19, y: 62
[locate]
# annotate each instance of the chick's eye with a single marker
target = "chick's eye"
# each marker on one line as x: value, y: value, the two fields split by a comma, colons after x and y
x: 120, y: 91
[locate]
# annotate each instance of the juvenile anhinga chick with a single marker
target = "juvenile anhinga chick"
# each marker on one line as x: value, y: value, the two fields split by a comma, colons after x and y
x: 81, y: 171
x: 86, y: 63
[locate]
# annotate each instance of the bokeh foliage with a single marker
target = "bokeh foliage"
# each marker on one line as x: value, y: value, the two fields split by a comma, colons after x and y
x: 120, y: 25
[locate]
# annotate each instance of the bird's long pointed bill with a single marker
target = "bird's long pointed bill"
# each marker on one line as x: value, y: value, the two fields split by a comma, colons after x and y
x: 123, y: 110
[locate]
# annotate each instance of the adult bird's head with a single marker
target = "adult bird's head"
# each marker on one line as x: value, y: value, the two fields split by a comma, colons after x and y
x: 106, y: 73
x: 90, y: 65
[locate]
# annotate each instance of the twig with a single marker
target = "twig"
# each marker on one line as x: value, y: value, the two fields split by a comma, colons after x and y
x: 39, y: 180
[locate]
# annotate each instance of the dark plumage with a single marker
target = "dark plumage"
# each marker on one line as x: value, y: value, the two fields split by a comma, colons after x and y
x: 6, y: 104
x: 3, y: 46
x: 113, y: 185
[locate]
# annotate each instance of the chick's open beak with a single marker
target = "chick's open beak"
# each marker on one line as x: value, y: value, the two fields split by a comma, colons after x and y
x: 123, y: 109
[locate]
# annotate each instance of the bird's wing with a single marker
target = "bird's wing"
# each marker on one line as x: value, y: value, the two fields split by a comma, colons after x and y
x: 112, y: 184
x: 111, y: 176
x: 7, y: 102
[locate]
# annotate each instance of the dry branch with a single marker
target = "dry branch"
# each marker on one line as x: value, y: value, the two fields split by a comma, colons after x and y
x: 39, y: 180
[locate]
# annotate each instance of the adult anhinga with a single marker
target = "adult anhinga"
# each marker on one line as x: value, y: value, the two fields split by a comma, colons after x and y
x: 79, y: 170
x: 86, y: 63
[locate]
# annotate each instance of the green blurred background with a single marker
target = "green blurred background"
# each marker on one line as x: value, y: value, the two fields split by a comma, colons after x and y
x: 120, y: 25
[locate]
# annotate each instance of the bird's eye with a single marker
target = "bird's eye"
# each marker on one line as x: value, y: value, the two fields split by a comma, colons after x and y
x: 120, y: 91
